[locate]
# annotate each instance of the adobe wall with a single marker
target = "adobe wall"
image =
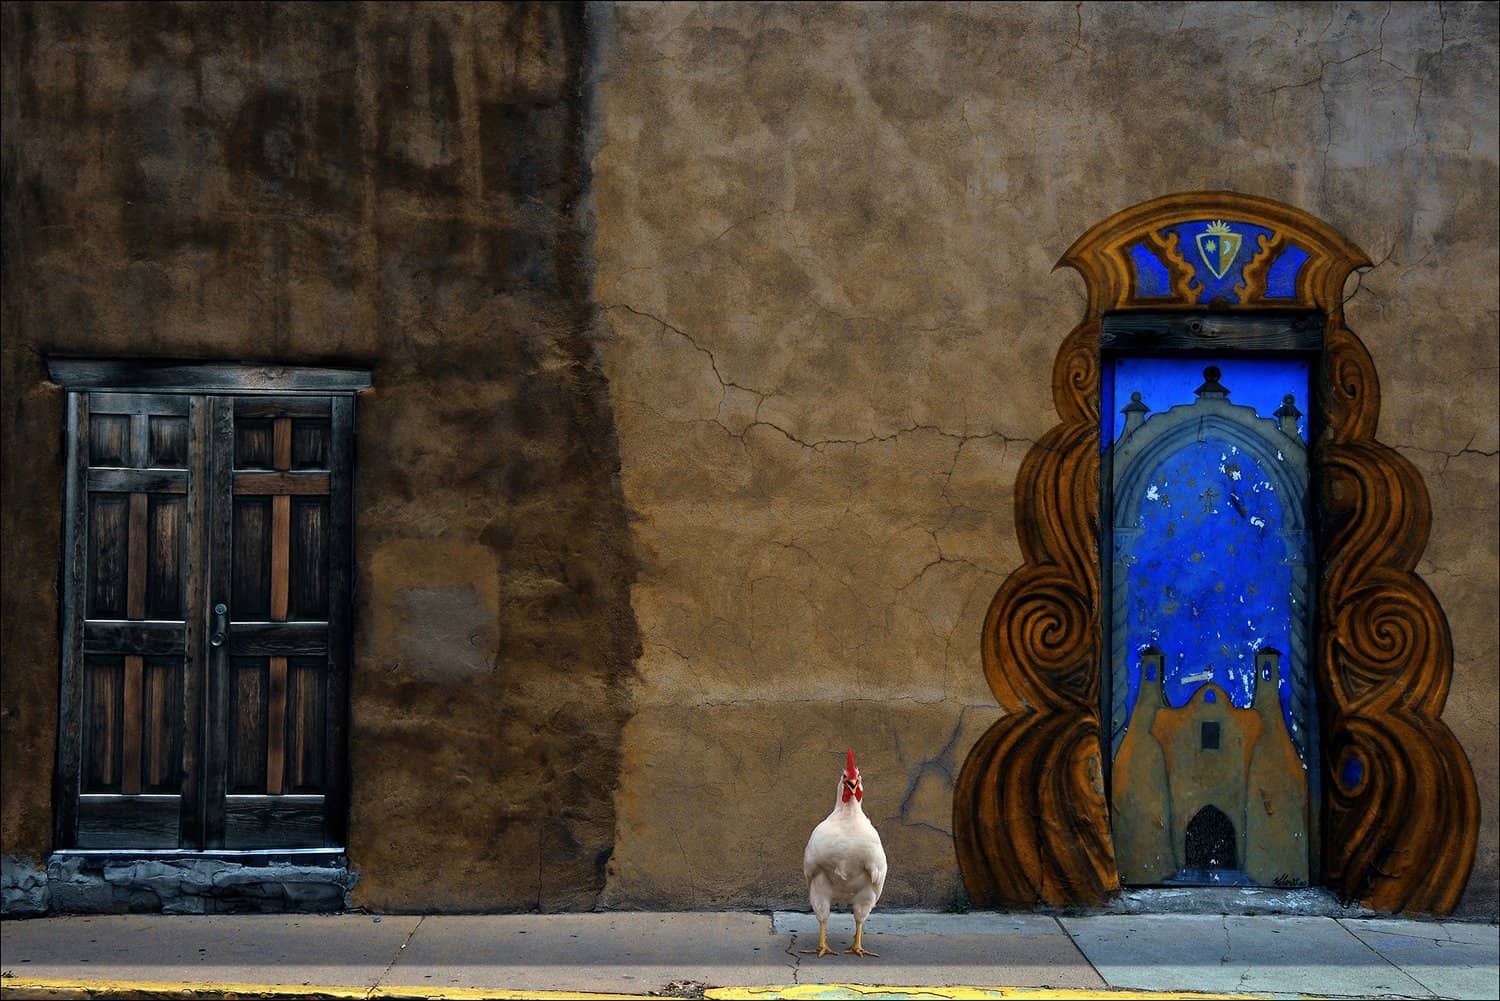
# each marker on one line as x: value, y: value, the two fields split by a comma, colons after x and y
x: 642, y: 551
x: 398, y: 186
x: 825, y: 241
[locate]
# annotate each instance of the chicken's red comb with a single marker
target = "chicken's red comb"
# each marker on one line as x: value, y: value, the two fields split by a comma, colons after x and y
x: 849, y: 768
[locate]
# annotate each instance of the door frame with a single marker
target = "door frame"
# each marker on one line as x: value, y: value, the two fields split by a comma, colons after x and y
x: 213, y: 389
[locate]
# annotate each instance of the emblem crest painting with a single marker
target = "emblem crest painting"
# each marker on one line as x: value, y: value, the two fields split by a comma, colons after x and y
x: 1219, y: 246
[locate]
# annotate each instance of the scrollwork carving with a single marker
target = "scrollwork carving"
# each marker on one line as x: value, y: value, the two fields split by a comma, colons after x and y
x: 1381, y: 633
x: 1252, y: 289
x: 1405, y: 836
x: 1045, y: 840
x: 1185, y: 286
x: 1050, y: 619
x: 1400, y: 833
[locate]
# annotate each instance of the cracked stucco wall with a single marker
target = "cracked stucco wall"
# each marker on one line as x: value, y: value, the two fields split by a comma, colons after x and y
x: 825, y: 237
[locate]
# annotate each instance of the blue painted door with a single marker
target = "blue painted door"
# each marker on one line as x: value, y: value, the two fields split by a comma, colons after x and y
x: 1208, y: 553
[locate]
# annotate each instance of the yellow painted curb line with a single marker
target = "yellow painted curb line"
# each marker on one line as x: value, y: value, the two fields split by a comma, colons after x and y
x: 127, y: 990
x: 868, y: 992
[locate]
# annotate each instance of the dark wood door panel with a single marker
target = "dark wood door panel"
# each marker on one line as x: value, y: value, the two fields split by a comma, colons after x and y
x: 108, y: 536
x: 276, y: 822
x: 103, y: 723
x: 126, y: 636
x: 137, y: 481
x: 162, y: 685
x: 166, y: 531
x: 277, y: 712
x: 133, y: 534
x: 278, y: 639
x: 129, y: 821
x: 306, y: 715
x: 249, y: 695
x: 132, y: 724
x: 250, y: 558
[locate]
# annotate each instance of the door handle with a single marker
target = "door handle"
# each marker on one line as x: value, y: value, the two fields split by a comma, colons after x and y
x: 221, y: 624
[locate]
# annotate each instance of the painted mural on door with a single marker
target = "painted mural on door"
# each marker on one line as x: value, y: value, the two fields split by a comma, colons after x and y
x: 1212, y: 722
x: 1040, y: 799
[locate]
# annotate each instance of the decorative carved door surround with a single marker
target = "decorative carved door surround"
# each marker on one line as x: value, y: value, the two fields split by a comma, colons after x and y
x: 1400, y: 807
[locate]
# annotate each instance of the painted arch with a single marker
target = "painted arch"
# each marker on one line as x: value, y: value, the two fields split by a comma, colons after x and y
x: 1399, y: 803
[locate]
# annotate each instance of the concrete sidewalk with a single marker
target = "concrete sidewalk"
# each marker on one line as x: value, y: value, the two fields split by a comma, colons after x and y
x: 743, y: 955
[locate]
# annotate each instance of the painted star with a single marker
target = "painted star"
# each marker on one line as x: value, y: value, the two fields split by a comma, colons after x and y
x: 1208, y: 245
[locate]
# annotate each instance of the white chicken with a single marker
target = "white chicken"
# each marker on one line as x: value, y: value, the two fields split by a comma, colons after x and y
x: 844, y: 862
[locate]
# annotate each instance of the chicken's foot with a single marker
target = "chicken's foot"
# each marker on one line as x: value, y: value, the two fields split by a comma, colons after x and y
x: 858, y: 948
x: 822, y: 949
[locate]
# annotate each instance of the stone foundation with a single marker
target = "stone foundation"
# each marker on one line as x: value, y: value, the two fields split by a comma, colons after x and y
x: 82, y: 885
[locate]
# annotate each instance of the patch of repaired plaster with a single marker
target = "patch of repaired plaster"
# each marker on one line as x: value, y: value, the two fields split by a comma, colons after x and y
x: 443, y: 602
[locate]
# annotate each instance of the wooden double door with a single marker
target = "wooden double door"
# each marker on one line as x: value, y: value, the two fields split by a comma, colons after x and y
x: 206, y: 621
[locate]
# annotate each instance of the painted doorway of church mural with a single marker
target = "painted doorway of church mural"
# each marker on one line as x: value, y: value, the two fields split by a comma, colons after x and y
x: 1208, y: 699
x: 1073, y: 790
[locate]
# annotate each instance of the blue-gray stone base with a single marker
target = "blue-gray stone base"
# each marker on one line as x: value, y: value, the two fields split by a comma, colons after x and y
x: 83, y: 885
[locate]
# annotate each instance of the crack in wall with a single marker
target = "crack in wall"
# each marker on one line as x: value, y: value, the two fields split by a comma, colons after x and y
x: 942, y: 560
x: 944, y: 763
x: 1417, y: 75
x: 762, y: 395
x: 1076, y: 42
x: 764, y: 651
x: 862, y: 585
x: 1447, y: 455
x: 762, y: 699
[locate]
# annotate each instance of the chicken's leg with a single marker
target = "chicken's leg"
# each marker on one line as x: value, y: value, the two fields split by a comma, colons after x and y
x: 857, y: 948
x: 819, y: 894
x: 822, y: 949
x: 864, y: 902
